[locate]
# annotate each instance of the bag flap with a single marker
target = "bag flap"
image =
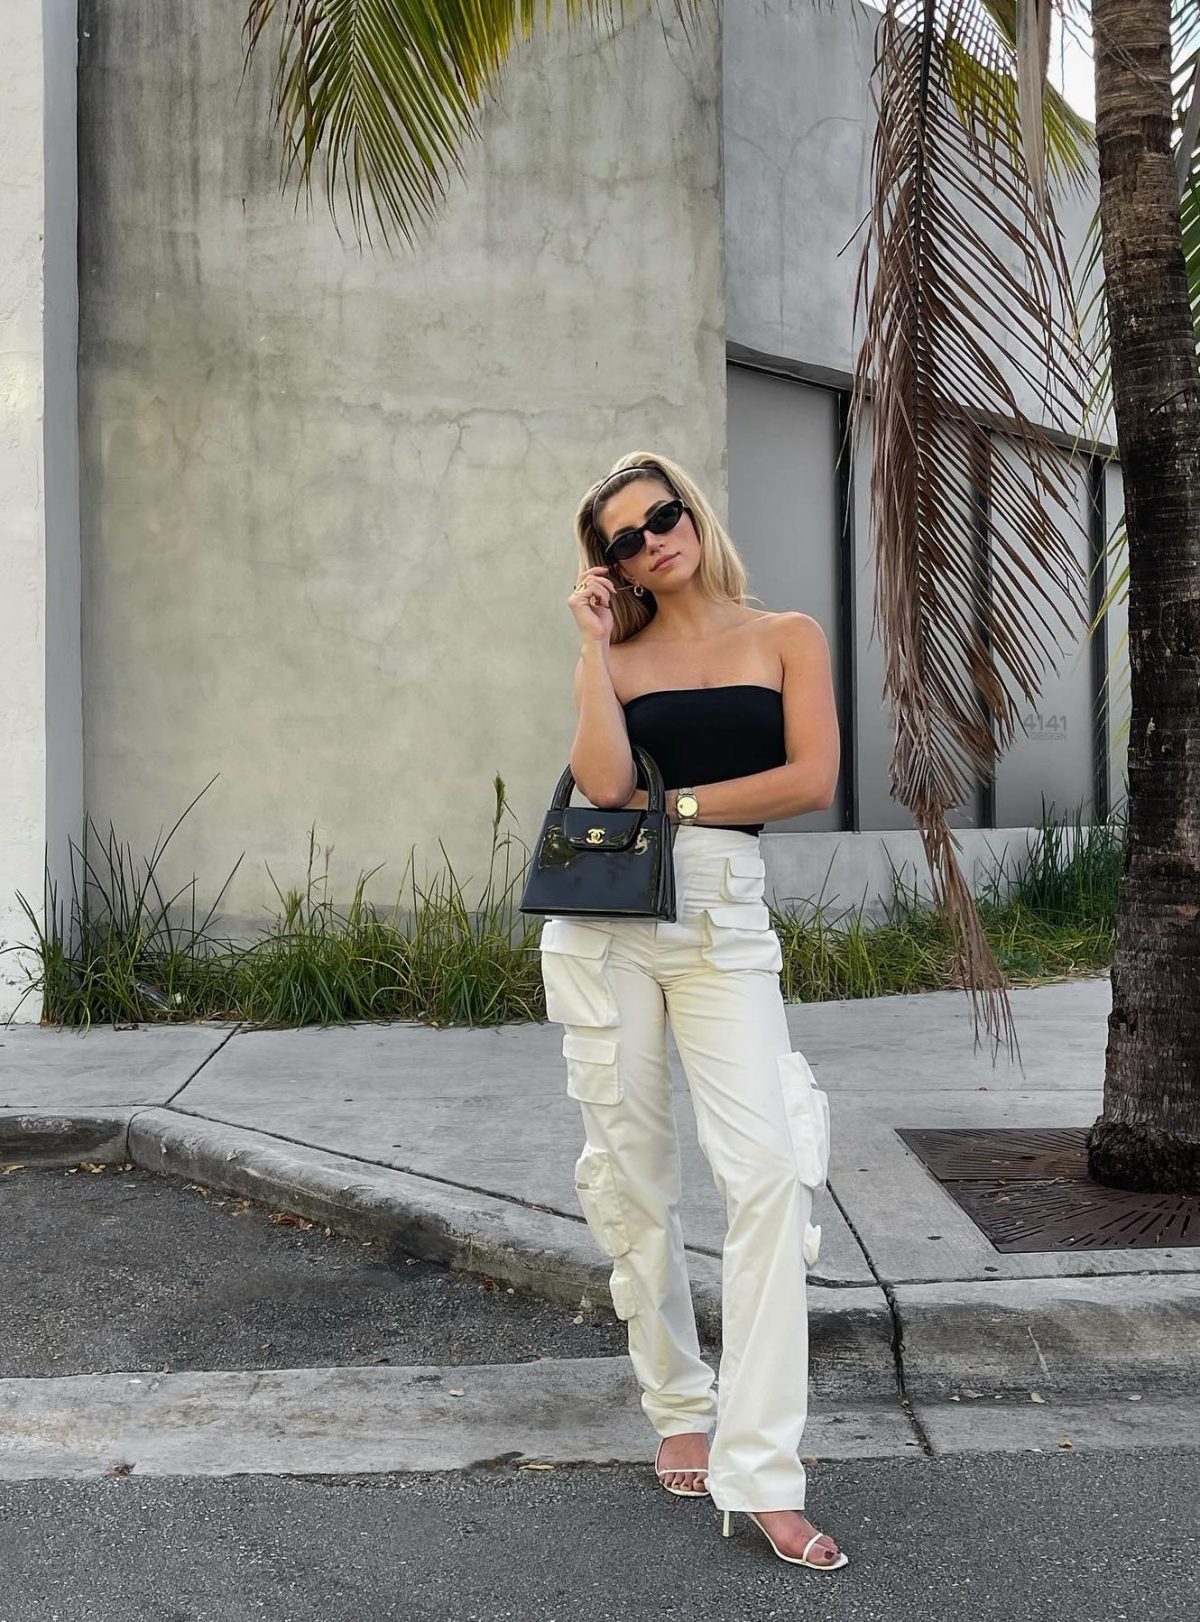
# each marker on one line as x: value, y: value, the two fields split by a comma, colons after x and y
x: 586, y: 828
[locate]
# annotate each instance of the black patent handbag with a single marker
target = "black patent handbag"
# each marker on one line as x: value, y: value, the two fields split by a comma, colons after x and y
x: 607, y: 863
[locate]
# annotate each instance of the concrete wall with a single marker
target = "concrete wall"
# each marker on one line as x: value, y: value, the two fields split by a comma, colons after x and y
x: 39, y: 604
x: 64, y: 674
x: 327, y: 495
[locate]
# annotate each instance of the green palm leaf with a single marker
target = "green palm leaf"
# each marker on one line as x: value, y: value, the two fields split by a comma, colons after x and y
x: 387, y: 91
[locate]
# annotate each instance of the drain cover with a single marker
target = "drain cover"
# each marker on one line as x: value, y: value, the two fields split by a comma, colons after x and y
x: 1029, y: 1189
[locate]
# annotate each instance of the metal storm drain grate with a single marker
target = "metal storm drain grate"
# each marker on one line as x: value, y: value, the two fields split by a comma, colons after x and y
x: 1030, y: 1190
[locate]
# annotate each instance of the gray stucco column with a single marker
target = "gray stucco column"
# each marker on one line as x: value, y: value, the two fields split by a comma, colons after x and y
x: 40, y: 681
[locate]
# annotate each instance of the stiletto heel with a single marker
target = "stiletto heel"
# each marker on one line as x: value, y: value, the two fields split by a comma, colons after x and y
x: 792, y: 1559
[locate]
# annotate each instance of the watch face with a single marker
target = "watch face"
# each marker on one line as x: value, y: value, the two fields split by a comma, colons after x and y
x: 686, y: 804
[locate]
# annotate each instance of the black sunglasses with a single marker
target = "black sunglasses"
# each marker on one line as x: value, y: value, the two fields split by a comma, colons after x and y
x: 627, y: 543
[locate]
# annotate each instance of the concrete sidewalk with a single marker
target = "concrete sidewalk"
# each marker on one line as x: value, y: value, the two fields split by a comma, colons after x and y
x: 459, y: 1145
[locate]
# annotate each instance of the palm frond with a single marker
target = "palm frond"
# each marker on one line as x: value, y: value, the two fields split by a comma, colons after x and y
x: 1185, y: 79
x: 981, y: 80
x: 970, y: 283
x: 385, y: 92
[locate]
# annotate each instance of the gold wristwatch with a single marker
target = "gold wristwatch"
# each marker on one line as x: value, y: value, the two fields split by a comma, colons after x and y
x: 687, y: 806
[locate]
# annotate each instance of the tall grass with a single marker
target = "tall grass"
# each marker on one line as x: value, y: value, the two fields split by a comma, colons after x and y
x: 122, y: 952
x: 1048, y: 912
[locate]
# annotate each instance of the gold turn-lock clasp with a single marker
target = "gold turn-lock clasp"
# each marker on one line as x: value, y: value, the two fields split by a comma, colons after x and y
x: 595, y: 835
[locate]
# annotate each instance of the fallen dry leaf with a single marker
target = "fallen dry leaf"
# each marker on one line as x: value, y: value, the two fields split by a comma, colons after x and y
x: 14, y: 1165
x: 1036, y: 1396
x: 533, y: 1466
x: 1066, y: 1442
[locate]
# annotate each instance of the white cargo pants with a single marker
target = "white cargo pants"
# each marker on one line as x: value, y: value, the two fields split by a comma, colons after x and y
x: 763, y: 1127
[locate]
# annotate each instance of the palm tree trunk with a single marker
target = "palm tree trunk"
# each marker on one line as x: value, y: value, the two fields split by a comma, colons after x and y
x: 1148, y: 1136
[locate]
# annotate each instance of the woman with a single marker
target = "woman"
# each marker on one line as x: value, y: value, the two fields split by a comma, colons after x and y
x: 737, y: 709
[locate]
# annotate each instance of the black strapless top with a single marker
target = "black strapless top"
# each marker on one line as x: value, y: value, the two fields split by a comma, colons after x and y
x: 706, y: 734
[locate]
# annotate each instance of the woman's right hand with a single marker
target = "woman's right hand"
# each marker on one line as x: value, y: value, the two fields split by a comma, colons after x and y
x: 592, y: 607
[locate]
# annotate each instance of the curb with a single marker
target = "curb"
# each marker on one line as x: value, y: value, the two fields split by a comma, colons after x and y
x: 1057, y: 1336
x: 1060, y: 1336
x: 55, y: 1140
x: 550, y: 1254
x: 546, y: 1252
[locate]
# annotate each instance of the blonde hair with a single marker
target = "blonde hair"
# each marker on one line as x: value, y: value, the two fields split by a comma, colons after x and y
x: 722, y: 574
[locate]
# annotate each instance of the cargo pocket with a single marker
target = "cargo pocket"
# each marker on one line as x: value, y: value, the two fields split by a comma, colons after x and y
x: 596, y: 1188
x: 744, y: 878
x: 593, y: 1068
x: 575, y: 973
x: 739, y: 936
x: 807, y: 1110
x: 623, y: 1290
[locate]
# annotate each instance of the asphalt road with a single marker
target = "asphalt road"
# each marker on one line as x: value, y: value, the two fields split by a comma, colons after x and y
x: 123, y: 1270
x: 129, y: 1270
x: 989, y: 1538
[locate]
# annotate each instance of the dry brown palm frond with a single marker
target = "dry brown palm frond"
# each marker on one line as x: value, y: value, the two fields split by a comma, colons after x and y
x: 970, y: 293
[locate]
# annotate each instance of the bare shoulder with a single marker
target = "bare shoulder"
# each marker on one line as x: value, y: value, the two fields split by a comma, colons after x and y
x: 797, y: 637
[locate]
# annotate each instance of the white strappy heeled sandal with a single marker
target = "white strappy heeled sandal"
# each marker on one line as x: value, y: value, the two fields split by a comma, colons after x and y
x: 793, y: 1559
x: 680, y: 1470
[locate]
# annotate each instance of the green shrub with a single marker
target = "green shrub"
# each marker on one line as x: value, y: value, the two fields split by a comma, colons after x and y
x: 122, y: 955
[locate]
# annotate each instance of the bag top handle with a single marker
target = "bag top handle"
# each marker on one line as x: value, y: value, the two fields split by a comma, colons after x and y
x: 647, y: 768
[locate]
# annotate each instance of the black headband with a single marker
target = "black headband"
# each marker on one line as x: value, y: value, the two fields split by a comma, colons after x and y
x: 636, y: 467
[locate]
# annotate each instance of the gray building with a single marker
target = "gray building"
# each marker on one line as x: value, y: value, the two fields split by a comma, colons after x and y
x: 295, y: 519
